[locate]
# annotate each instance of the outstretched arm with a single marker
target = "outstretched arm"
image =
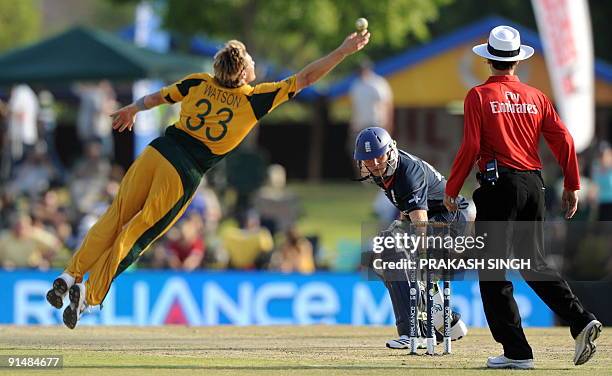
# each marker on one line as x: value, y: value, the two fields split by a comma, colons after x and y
x: 319, y: 68
x: 123, y: 118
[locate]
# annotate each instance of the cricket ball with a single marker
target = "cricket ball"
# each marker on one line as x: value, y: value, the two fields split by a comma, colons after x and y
x: 361, y: 24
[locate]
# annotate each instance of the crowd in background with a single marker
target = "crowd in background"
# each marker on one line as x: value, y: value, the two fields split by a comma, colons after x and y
x: 46, y: 207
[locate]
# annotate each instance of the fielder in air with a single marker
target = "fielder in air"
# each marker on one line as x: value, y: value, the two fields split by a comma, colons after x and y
x: 217, y: 112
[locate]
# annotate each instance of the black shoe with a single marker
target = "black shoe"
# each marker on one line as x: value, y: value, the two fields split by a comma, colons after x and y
x: 55, y: 296
x: 70, y: 317
x: 72, y: 313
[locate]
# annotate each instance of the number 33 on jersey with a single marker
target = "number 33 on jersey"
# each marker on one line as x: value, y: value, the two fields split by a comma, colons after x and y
x: 221, y: 117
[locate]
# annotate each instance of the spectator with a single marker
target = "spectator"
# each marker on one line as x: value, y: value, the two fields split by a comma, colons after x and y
x: 52, y: 214
x: 248, y: 244
x: 96, y: 208
x: 372, y: 103
x: 48, y: 122
x: 22, y: 126
x: 97, y: 102
x: 246, y: 173
x: 26, y: 246
x: 34, y: 175
x: 278, y: 207
x: 186, y: 245
x: 295, y: 255
x: 5, y: 142
x: 206, y: 207
x: 103, y: 122
x: 90, y: 177
x: 93, y: 165
x: 602, y: 176
x: 3, y: 109
x: 88, y: 109
x: 7, y: 206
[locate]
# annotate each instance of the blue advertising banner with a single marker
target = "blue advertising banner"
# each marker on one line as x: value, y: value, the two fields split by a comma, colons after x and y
x: 240, y: 298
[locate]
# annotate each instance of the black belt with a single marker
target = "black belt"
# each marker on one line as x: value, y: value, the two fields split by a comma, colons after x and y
x: 508, y: 170
x: 503, y: 170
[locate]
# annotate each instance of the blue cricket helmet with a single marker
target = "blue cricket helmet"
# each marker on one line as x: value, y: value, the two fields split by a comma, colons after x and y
x: 371, y: 143
x: 374, y: 142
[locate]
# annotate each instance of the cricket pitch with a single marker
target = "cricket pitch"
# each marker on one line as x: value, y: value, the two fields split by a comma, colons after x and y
x: 299, y: 350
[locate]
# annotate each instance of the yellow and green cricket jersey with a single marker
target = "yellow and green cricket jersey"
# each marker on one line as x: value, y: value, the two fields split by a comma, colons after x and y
x: 219, y: 117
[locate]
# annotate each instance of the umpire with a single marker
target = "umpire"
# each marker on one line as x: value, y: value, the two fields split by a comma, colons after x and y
x: 503, y: 122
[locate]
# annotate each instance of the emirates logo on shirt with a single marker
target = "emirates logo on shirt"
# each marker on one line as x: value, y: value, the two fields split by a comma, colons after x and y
x: 513, y: 105
x: 514, y: 97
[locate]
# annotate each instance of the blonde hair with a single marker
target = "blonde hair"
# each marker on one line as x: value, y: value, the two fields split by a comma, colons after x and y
x: 229, y: 63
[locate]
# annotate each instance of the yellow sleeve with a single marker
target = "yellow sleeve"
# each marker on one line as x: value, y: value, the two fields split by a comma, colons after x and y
x: 269, y: 95
x: 266, y: 242
x: 177, y: 91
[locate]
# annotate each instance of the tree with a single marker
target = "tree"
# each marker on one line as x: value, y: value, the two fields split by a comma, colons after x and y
x: 464, y: 12
x: 103, y: 14
x: 19, y: 22
x: 292, y: 33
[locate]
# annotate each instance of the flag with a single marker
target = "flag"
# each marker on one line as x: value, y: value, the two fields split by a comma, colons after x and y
x: 565, y: 31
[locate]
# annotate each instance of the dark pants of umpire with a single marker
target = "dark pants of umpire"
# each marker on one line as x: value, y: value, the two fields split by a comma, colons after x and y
x: 516, y: 201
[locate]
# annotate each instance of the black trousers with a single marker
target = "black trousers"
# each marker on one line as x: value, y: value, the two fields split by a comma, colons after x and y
x: 513, y: 210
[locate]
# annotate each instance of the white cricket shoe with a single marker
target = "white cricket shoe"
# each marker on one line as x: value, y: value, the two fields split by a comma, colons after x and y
x: 55, y: 296
x: 403, y: 342
x: 458, y: 329
x: 77, y: 305
x: 585, y: 342
x: 503, y: 362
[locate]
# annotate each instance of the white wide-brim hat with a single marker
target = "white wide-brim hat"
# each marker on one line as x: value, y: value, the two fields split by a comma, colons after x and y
x: 504, y: 45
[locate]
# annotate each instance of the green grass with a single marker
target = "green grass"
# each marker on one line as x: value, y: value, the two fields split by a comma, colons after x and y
x: 302, y: 350
x: 335, y: 211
